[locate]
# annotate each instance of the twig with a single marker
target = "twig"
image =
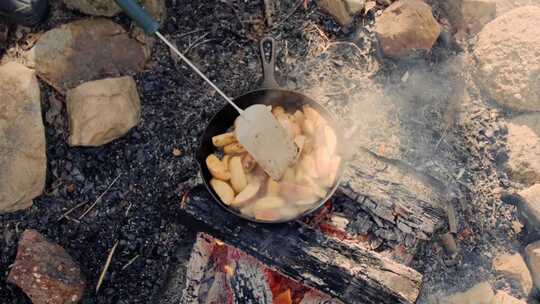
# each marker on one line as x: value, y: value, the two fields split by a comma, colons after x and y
x: 107, y: 264
x: 130, y: 262
x: 128, y: 208
x: 99, y: 197
x: 194, y: 42
x: 71, y: 210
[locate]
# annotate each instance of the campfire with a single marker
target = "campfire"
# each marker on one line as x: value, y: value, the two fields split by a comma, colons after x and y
x: 411, y: 129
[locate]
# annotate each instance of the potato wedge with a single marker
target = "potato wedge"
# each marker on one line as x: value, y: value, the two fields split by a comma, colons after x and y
x: 238, y: 177
x: 307, y: 166
x: 249, y: 192
x: 292, y: 192
x: 299, y: 117
x: 234, y: 148
x: 267, y: 215
x: 300, y: 140
x: 322, y: 160
x: 268, y: 202
x: 217, y: 168
x: 310, y: 182
x: 329, y: 179
x: 308, y: 145
x: 225, y: 160
x: 288, y: 212
x: 224, y: 139
x: 248, y: 162
x: 313, y: 115
x: 289, y: 175
x: 272, y: 187
x: 278, y: 111
x: 308, y: 127
x: 330, y: 139
x: 306, y: 203
x: 223, y: 190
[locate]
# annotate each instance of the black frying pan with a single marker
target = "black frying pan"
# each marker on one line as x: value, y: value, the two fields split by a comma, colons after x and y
x: 270, y: 94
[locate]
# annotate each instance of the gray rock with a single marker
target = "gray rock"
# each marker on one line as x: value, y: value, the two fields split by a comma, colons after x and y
x: 343, y: 11
x: 475, y: 14
x: 101, y: 111
x: 508, y: 62
x: 513, y: 267
x: 481, y: 293
x: 407, y: 26
x: 85, y: 50
x: 523, y: 145
x: 532, y: 253
x: 22, y: 139
x: 502, y: 297
x: 106, y: 8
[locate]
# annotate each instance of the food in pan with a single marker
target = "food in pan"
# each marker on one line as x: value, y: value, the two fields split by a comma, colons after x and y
x: 243, y: 185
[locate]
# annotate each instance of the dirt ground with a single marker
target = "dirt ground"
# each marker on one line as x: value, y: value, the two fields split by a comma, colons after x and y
x: 141, y: 208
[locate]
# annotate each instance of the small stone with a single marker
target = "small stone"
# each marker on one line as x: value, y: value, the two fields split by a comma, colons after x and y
x: 481, y: 293
x: 502, y: 297
x: 85, y: 50
x: 105, y: 8
x: 449, y: 243
x: 177, y: 152
x: 407, y: 26
x: 532, y: 253
x: 513, y: 266
x: 23, y: 162
x: 508, y: 62
x: 523, y: 153
x: 343, y: 11
x: 475, y: 14
x: 45, y: 272
x: 103, y: 110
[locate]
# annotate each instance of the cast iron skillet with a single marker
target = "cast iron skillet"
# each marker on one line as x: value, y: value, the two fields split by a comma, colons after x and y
x: 270, y: 94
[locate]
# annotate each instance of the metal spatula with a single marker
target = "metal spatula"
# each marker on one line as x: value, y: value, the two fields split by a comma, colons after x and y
x: 258, y: 131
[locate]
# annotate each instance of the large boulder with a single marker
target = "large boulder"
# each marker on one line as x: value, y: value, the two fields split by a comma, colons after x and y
x: 481, y: 293
x: 45, y: 272
x: 523, y: 145
x: 343, y: 11
x: 532, y: 253
x: 475, y: 14
x: 407, y: 26
x: 101, y: 111
x: 502, y: 297
x: 22, y: 138
x: 508, y: 61
x: 513, y: 267
x: 106, y: 8
x: 85, y: 50
x: 529, y: 209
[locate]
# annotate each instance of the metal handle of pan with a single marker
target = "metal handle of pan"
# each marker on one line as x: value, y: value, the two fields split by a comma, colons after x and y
x: 268, y: 64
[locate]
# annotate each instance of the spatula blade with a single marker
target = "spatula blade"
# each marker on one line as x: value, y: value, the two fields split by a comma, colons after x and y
x: 259, y: 132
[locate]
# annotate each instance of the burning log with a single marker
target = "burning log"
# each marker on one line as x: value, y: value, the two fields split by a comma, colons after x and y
x: 395, y: 193
x: 340, y: 269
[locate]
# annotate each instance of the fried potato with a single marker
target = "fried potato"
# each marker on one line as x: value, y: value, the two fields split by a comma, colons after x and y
x: 234, y: 148
x: 224, y: 139
x: 238, y: 176
x: 295, y: 192
x: 330, y: 139
x: 278, y: 111
x: 322, y: 160
x: 217, y: 168
x: 289, y: 175
x: 310, y: 182
x: 267, y: 215
x: 272, y: 187
x: 308, y: 127
x: 313, y: 115
x: 299, y: 117
x: 248, y: 162
x: 249, y: 192
x: 307, y: 166
x: 308, y: 145
x: 223, y: 190
x: 329, y: 179
x: 268, y: 202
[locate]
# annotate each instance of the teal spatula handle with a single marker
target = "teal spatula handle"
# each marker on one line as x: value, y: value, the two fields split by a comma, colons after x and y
x: 139, y: 15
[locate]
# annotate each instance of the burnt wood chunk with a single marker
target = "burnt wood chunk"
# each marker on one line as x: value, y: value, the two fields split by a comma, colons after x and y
x: 396, y: 193
x: 342, y: 270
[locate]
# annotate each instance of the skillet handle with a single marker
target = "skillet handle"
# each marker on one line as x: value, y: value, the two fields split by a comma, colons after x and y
x: 268, y: 65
